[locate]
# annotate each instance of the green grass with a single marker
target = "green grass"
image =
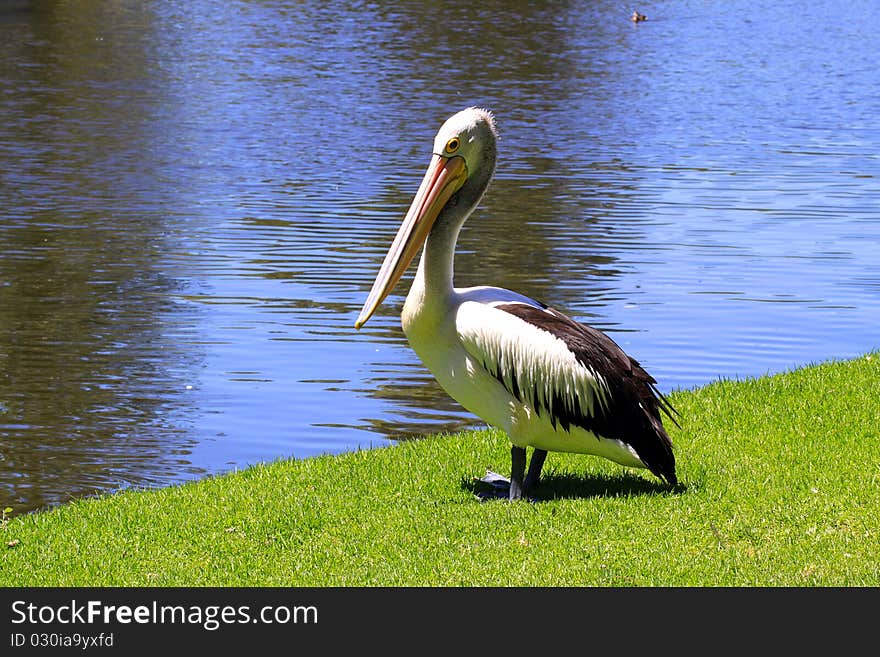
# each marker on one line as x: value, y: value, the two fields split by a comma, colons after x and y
x: 780, y: 486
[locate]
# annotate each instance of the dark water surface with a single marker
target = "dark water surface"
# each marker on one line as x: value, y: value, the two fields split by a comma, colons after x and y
x: 196, y: 196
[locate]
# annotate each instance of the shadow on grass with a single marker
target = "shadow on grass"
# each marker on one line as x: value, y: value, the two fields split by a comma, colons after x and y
x: 554, y: 486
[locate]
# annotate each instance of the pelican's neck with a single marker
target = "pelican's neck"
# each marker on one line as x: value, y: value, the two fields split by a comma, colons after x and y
x: 432, y: 295
x: 436, y: 267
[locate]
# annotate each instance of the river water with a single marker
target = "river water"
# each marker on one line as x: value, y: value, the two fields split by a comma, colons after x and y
x: 196, y: 196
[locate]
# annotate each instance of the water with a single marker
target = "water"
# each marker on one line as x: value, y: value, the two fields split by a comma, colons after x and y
x: 197, y: 195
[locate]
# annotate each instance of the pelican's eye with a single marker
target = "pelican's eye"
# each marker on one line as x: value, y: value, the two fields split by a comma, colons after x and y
x: 453, y: 144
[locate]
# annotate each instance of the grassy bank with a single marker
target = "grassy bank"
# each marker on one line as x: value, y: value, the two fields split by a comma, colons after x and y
x: 780, y: 486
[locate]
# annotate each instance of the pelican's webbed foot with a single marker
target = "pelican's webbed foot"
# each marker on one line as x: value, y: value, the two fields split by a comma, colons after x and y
x: 520, y: 484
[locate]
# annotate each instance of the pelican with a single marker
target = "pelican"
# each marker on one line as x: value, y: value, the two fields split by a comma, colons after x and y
x: 549, y: 382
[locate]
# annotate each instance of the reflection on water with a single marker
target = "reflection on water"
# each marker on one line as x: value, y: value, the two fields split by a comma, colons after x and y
x: 196, y: 197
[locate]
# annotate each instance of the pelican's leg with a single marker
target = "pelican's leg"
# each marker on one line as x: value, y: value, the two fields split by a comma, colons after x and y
x: 517, y: 471
x: 534, y: 475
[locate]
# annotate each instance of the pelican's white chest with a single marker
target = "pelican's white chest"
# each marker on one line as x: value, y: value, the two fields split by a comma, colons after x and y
x: 429, y: 322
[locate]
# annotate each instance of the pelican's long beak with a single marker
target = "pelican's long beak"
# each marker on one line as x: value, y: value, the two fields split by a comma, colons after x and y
x: 444, y: 177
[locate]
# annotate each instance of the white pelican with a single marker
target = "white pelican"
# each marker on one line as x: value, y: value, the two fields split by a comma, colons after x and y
x: 551, y: 383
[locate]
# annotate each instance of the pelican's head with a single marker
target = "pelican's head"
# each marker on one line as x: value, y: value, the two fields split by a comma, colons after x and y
x: 468, y: 135
x: 462, y: 164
